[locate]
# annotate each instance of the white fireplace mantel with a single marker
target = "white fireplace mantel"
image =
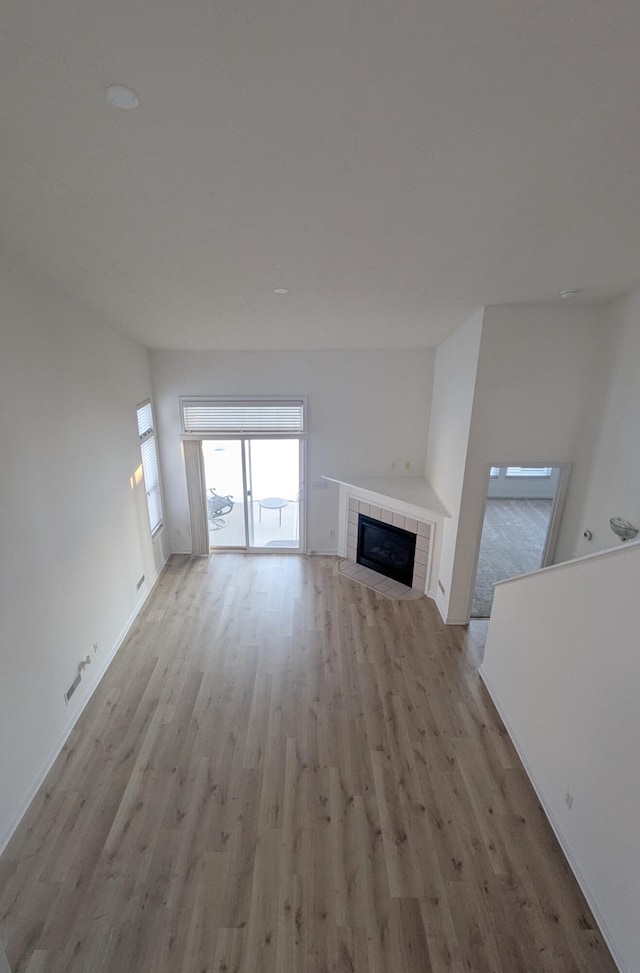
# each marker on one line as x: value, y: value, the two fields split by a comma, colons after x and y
x: 413, y: 490
x: 411, y: 496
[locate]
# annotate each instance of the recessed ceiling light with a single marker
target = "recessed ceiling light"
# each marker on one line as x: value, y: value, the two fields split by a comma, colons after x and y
x: 567, y: 295
x: 280, y: 290
x: 121, y: 97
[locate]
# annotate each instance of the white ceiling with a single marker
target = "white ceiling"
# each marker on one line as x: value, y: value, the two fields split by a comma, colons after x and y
x: 394, y: 163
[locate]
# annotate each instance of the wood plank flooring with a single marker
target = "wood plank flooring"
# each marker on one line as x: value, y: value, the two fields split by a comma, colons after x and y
x: 285, y: 771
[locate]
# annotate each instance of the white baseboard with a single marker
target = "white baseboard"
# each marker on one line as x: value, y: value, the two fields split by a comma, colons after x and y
x: 89, y: 691
x: 573, y: 865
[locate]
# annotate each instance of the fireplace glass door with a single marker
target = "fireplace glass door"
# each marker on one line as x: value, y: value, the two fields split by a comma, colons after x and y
x: 386, y: 549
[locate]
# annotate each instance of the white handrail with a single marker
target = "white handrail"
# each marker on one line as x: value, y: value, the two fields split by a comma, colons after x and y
x: 607, y: 552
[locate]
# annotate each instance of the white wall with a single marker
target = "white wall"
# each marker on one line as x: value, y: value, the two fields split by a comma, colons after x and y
x: 75, y: 539
x: 367, y: 410
x: 535, y: 370
x: 451, y: 411
x: 611, y: 435
x: 563, y: 667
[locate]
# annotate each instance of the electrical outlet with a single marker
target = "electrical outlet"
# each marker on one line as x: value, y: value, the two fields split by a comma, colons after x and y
x: 332, y: 533
x: 407, y: 465
x: 568, y: 799
x: 393, y: 464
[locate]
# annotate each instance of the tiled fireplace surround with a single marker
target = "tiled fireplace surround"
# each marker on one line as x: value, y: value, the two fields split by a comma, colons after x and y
x: 419, y: 528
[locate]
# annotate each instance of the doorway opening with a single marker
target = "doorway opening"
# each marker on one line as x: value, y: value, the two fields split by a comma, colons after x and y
x: 519, y: 529
x: 253, y: 492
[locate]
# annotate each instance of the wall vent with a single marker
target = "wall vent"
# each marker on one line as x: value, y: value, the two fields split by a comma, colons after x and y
x: 140, y: 583
x: 72, y: 688
x: 441, y: 586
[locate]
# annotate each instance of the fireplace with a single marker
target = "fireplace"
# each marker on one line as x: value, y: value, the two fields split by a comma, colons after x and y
x: 387, y: 549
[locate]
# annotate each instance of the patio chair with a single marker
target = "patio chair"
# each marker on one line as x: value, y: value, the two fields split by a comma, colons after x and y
x: 216, y: 507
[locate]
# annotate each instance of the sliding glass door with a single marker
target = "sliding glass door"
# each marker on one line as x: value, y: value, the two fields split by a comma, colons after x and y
x: 253, y: 490
x: 247, y: 471
x: 225, y: 492
x: 274, y: 488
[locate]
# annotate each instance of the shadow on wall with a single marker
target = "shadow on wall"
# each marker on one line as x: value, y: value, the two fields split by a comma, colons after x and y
x: 4, y: 966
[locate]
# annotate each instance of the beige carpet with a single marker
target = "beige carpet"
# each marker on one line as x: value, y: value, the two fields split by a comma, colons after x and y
x: 513, y: 536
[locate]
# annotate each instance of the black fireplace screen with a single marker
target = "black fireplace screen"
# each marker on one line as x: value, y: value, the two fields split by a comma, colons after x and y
x: 386, y: 549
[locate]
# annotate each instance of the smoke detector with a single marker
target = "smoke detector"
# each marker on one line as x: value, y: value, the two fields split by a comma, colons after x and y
x: 121, y: 97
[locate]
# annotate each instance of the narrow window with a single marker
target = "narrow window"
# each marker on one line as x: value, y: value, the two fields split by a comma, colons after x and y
x: 150, y: 465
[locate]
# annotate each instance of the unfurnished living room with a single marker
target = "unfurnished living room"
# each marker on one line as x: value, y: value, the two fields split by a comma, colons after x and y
x: 295, y: 300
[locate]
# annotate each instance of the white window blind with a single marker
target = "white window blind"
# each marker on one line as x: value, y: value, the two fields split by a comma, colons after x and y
x: 533, y: 471
x: 145, y: 419
x: 211, y: 416
x: 150, y: 465
x: 495, y: 471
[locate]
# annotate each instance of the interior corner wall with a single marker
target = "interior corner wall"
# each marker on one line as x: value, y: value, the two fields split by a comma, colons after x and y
x: 611, y: 442
x: 367, y: 410
x: 451, y: 411
x: 535, y: 369
x: 75, y: 533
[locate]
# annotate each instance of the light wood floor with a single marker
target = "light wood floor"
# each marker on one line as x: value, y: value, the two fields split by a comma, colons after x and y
x: 285, y: 771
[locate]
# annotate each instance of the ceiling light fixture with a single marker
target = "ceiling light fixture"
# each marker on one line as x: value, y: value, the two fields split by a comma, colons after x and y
x: 567, y: 295
x: 280, y: 290
x: 121, y: 97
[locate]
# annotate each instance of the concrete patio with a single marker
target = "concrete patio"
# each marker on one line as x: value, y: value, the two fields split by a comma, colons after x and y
x: 264, y: 531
